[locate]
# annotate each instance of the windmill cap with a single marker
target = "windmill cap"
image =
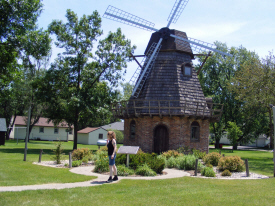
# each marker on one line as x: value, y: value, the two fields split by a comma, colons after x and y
x: 170, y: 44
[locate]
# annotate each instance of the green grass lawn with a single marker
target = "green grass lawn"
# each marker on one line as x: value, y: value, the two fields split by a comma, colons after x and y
x: 178, y: 191
x: 15, y: 171
x: 260, y: 162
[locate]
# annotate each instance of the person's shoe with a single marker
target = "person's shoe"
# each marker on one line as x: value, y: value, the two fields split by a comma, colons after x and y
x: 110, y: 179
x: 115, y: 178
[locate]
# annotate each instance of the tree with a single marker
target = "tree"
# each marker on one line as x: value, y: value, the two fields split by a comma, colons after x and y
x: 233, y: 133
x: 75, y: 86
x: 215, y: 78
x: 19, y: 39
x: 254, y: 84
x: 127, y: 91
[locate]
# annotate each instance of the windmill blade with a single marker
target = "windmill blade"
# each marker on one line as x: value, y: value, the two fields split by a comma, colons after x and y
x: 176, y: 11
x: 148, y: 63
x: 121, y: 16
x: 200, y: 46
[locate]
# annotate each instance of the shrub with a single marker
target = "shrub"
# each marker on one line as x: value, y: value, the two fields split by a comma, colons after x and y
x: 122, y: 170
x: 186, y: 162
x: 172, y: 163
x: 102, y: 163
x: 184, y: 150
x: 226, y: 173
x: 121, y: 159
x: 85, y: 160
x: 212, y: 158
x: 76, y: 163
x: 138, y: 159
x: 119, y: 135
x: 58, y: 152
x: 170, y: 153
x: 156, y: 164
x: 145, y: 170
x: 231, y: 163
x: 208, y: 172
x: 198, y: 154
x: 79, y: 154
x: 164, y: 158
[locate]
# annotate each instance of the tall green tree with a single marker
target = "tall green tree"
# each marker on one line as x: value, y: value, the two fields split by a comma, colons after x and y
x: 75, y: 86
x: 20, y: 41
x: 254, y: 84
x: 215, y: 77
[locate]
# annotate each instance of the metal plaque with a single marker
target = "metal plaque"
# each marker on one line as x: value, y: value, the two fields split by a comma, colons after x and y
x: 128, y: 150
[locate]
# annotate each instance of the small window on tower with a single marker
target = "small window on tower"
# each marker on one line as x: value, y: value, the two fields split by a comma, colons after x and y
x: 186, y: 70
x: 132, y: 129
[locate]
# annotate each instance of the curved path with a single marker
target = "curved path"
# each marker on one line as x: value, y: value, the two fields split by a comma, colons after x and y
x: 101, y: 179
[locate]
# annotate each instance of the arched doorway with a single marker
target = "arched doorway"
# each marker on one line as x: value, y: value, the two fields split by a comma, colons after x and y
x: 161, y: 139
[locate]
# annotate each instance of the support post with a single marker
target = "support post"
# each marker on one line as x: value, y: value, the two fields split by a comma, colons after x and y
x: 246, y: 167
x: 70, y: 160
x: 40, y: 155
x: 127, y: 164
x: 196, y: 167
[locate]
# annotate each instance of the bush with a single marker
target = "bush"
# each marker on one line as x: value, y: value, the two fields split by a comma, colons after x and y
x: 121, y: 159
x: 85, y: 160
x: 76, y: 163
x: 226, y: 173
x: 172, y: 163
x: 198, y: 154
x: 122, y: 170
x: 101, y: 162
x: 186, y: 162
x: 212, y: 158
x: 145, y: 170
x: 138, y: 159
x: 170, y: 153
x: 79, y: 154
x: 164, y: 158
x: 155, y: 163
x: 208, y: 172
x: 231, y: 163
x: 119, y: 135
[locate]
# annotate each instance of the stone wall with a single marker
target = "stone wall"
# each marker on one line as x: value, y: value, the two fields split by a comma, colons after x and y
x: 179, y: 132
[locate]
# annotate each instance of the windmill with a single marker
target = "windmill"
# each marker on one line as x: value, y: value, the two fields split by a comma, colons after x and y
x: 167, y: 109
x: 164, y: 33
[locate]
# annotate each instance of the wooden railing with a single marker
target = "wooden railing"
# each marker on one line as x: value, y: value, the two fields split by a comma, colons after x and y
x: 131, y: 108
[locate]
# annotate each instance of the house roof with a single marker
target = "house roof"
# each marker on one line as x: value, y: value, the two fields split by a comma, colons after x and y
x: 3, y: 126
x: 88, y: 130
x: 42, y: 122
x: 114, y: 125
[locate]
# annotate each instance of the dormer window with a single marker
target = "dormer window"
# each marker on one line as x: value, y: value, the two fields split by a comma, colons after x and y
x: 186, y: 69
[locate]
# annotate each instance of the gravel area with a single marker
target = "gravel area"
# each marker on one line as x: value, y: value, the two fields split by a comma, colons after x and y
x: 235, y: 175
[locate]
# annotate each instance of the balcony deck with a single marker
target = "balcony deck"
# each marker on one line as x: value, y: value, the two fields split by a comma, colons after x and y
x: 137, y: 108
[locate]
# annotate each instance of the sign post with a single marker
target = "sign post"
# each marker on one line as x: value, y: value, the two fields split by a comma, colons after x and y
x: 128, y: 150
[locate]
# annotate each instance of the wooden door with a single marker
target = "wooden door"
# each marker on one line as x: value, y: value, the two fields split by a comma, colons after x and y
x: 161, y: 139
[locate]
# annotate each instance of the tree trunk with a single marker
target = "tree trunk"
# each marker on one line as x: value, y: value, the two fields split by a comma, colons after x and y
x: 217, y: 144
x: 235, y: 146
x: 75, y: 134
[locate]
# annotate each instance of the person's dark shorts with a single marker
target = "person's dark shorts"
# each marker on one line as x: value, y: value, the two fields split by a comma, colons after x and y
x: 112, y: 161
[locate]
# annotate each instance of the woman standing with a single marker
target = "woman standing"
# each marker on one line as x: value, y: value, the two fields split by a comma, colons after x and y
x: 111, y: 144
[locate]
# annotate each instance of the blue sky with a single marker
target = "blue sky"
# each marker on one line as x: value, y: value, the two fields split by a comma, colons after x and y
x: 250, y: 23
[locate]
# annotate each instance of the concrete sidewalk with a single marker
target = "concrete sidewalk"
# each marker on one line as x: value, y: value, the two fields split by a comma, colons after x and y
x: 101, y: 179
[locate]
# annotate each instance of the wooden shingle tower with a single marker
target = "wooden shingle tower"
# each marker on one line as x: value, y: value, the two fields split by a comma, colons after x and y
x: 167, y: 109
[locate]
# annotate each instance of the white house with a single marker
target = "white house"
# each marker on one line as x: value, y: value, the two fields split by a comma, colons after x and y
x: 90, y: 135
x: 42, y: 130
x: 261, y: 141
